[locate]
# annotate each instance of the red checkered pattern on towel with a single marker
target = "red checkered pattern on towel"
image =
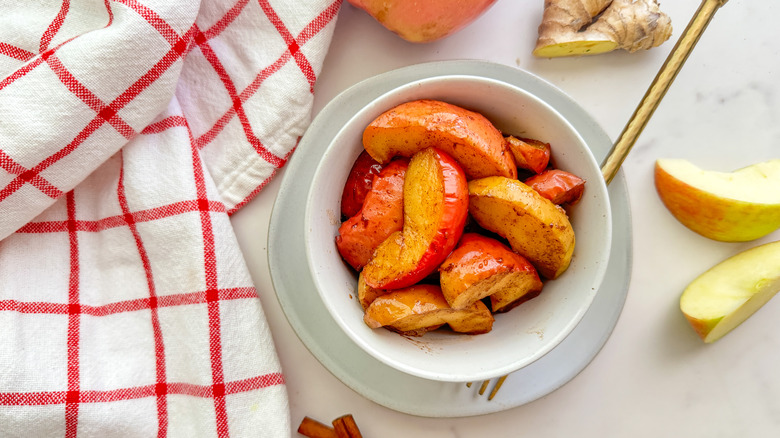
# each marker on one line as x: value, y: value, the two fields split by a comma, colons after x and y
x: 130, y: 130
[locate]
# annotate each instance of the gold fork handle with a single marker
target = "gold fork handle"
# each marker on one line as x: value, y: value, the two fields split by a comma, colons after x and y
x: 658, y: 87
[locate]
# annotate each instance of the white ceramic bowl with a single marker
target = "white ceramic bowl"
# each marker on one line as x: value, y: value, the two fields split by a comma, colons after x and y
x: 520, y: 336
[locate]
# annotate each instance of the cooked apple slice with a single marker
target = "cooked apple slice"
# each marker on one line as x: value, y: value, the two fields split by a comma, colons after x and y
x: 358, y: 184
x: 466, y: 135
x: 739, y: 206
x: 421, y: 308
x: 475, y: 319
x: 435, y: 202
x: 366, y: 293
x: 730, y: 292
x: 529, y: 153
x: 414, y: 310
x: 481, y: 266
x: 381, y: 215
x: 536, y: 228
x: 558, y: 186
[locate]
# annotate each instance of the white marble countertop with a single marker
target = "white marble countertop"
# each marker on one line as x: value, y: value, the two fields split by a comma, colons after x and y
x: 654, y: 377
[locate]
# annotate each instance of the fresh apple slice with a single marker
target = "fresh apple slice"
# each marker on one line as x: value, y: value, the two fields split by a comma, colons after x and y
x: 469, y: 137
x: 358, y: 184
x: 418, y: 309
x: 481, y: 266
x: 530, y: 154
x: 435, y: 202
x: 739, y: 206
x: 536, y: 228
x: 558, y: 186
x: 423, y: 21
x: 381, y: 215
x: 730, y: 292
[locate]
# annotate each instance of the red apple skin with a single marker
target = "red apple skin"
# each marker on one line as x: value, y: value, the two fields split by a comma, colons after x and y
x: 358, y: 184
x: 558, y: 186
x: 399, y: 266
x: 381, y: 215
x: 477, y: 258
x: 422, y: 21
x: 530, y: 154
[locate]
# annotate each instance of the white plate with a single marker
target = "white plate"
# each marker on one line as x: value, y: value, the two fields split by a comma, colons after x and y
x: 369, y: 377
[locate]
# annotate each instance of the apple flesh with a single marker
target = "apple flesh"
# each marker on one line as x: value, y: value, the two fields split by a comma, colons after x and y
x: 738, y: 206
x: 418, y: 309
x: 723, y: 297
x: 424, y: 21
x: 435, y: 207
x: 536, y: 228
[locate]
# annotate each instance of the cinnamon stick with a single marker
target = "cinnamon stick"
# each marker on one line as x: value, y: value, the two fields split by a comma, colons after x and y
x: 346, y: 427
x: 312, y: 428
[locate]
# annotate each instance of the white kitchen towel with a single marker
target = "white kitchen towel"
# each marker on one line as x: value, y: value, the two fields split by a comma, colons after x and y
x: 130, y: 130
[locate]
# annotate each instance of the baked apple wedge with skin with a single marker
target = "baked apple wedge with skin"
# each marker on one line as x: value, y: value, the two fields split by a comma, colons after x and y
x: 484, y: 267
x: 358, y: 184
x: 477, y: 145
x: 435, y: 205
x: 529, y: 154
x: 558, y: 186
x: 536, y: 228
x: 381, y: 215
x: 419, y: 309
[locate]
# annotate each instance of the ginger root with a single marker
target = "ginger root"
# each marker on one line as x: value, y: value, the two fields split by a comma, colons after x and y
x: 590, y: 27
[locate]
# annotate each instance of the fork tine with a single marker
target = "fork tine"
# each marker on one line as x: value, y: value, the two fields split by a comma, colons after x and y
x: 483, y: 387
x: 497, y: 387
x: 485, y: 384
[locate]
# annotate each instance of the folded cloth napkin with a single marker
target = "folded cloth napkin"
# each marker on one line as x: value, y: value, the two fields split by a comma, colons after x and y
x: 130, y: 130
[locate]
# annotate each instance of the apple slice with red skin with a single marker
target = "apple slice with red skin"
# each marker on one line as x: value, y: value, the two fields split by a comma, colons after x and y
x: 737, y: 206
x: 435, y: 198
x: 381, y: 215
x: 469, y: 137
x: 482, y: 266
x: 358, y: 184
x: 529, y: 153
x: 558, y: 186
